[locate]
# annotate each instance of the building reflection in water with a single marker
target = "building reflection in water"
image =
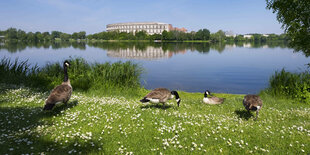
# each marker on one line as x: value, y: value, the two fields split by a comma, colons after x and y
x: 149, y: 53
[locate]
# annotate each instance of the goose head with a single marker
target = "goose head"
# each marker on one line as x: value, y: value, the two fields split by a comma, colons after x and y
x: 207, y: 92
x: 67, y: 63
x: 177, y: 97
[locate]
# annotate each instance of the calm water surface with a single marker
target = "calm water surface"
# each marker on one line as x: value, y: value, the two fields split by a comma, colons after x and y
x: 240, y: 69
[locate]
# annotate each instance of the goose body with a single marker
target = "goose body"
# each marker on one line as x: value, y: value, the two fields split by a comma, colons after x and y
x: 161, y: 95
x: 213, y: 99
x: 61, y: 93
x: 253, y: 103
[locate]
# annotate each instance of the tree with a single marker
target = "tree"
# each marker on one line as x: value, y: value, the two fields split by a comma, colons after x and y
x: 46, y: 36
x: 38, y: 36
x: 218, y: 36
x: 21, y: 35
x: 257, y: 37
x: 165, y: 35
x: 31, y: 36
x: 141, y: 35
x: 203, y: 34
x: 65, y: 37
x: 82, y: 35
x: 11, y: 34
x: 55, y: 34
x: 239, y: 38
x: 295, y: 18
x: 75, y: 36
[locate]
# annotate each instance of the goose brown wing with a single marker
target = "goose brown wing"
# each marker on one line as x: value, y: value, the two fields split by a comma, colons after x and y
x: 162, y: 90
x: 161, y: 94
x: 61, y: 93
x: 253, y: 100
x: 216, y: 99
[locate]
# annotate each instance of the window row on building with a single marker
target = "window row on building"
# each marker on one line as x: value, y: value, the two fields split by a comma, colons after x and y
x: 149, y: 27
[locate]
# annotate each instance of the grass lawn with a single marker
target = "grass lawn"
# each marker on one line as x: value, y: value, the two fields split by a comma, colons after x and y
x: 117, y: 125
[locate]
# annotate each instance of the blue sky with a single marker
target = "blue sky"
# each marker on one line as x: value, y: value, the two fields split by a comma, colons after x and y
x: 92, y: 16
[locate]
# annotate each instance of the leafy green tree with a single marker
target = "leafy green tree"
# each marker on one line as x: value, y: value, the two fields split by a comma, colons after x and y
x: 283, y: 37
x: 230, y: 39
x: 239, y: 38
x: 219, y: 36
x: 191, y: 35
x: 11, y: 34
x: 202, y: 34
x: 257, y: 37
x: 131, y: 36
x: 123, y: 36
x: 295, y: 18
x: 31, y: 36
x: 89, y: 37
x: 164, y: 35
x: 2, y: 33
x: 82, y: 35
x: 141, y: 35
x: 55, y: 34
x: 38, y: 36
x: 46, y: 36
x: 155, y: 36
x: 75, y: 36
x: 65, y: 37
x: 21, y: 35
x: 272, y: 37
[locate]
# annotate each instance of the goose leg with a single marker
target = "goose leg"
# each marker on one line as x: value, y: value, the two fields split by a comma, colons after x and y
x: 256, y: 114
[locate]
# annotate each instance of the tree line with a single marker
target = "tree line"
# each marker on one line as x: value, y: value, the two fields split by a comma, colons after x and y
x: 12, y: 34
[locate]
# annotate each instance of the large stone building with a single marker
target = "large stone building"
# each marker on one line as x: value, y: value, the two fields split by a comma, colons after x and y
x: 148, y: 27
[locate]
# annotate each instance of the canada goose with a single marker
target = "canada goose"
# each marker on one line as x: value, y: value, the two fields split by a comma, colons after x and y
x: 161, y: 95
x: 60, y: 93
x: 253, y: 102
x: 212, y: 100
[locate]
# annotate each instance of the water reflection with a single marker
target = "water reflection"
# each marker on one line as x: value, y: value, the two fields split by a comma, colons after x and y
x: 150, y: 53
x: 139, y: 50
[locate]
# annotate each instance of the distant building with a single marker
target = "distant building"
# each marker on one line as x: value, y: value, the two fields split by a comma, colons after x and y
x: 148, y: 27
x: 230, y: 34
x: 247, y: 36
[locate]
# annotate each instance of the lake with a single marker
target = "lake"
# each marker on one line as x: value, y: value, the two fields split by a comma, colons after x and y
x: 242, y: 68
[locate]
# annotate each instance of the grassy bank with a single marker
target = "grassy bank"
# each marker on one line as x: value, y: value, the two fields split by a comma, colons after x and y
x: 109, y: 124
x: 106, y: 117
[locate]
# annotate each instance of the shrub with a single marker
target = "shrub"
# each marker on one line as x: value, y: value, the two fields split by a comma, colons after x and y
x: 291, y: 85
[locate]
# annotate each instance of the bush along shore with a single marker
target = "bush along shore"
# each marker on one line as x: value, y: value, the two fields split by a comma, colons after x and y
x: 104, y: 116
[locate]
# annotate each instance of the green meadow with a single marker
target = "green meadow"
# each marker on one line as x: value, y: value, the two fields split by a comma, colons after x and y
x: 104, y: 116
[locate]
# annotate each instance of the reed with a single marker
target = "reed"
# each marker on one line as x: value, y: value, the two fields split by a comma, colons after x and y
x: 290, y: 85
x: 16, y: 71
x: 106, y: 78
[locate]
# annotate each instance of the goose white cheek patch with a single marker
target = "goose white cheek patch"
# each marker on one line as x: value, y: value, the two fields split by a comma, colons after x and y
x: 178, y: 100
